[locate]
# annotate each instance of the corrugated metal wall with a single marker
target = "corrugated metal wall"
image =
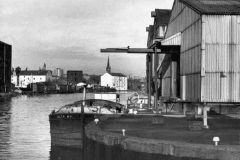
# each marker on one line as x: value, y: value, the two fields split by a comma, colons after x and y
x: 166, y: 62
x: 210, y: 55
x: 222, y: 57
x: 166, y: 86
x: 185, y: 21
x: 182, y: 17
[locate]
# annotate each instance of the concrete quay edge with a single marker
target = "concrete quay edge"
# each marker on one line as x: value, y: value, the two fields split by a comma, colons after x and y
x: 144, y: 145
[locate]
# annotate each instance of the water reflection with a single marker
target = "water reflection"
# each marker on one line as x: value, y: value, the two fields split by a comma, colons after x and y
x: 5, y: 118
x: 65, y: 153
x: 25, y: 131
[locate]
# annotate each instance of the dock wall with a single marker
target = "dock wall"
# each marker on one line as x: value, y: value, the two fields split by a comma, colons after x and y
x: 105, y: 145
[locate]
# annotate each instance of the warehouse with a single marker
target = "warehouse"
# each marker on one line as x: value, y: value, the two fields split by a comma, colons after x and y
x: 206, y: 69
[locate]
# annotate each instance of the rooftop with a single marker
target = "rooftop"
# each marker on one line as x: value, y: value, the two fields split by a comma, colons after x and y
x: 216, y: 7
x: 4, y: 43
x: 34, y: 72
x: 162, y: 17
x: 117, y: 74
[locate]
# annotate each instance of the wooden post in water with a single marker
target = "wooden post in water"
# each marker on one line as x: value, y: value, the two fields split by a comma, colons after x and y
x: 82, y: 119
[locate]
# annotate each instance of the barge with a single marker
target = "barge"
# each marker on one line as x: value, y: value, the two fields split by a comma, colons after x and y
x: 66, y: 123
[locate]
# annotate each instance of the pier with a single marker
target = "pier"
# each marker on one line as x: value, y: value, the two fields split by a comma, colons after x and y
x: 170, y: 140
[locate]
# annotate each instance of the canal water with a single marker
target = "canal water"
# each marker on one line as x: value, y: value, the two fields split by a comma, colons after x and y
x: 25, y: 131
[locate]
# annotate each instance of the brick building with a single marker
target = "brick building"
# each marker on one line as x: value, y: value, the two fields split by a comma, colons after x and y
x: 5, y: 67
x: 74, y: 77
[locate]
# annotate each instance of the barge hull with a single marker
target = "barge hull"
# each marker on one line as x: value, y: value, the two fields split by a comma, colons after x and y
x: 66, y: 130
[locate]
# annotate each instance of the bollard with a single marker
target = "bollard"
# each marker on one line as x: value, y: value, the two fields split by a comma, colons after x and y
x: 123, y: 132
x: 131, y: 111
x: 216, y: 140
x: 96, y: 121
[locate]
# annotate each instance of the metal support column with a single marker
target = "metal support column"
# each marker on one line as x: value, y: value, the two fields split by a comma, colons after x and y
x: 149, y: 72
x: 4, y: 68
x: 155, y: 79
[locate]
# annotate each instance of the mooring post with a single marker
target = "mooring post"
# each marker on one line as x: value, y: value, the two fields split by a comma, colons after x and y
x: 184, y: 108
x: 84, y: 94
x: 205, y: 124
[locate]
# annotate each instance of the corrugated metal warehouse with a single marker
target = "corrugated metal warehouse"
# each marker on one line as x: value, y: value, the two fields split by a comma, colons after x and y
x: 208, y: 32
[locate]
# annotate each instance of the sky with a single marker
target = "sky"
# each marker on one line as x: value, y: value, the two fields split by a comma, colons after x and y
x: 69, y: 34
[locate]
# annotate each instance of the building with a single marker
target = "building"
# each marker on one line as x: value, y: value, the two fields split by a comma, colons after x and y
x: 74, y: 77
x: 203, y: 66
x: 135, y: 77
x: 44, y: 67
x: 5, y: 67
x: 59, y: 72
x: 136, y: 84
x: 86, y: 76
x: 108, y: 68
x: 156, y: 33
x: 114, y: 80
x: 31, y: 76
x: 209, y: 62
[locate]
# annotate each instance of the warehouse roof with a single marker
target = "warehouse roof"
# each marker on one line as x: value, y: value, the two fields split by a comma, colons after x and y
x: 4, y: 43
x: 150, y: 36
x: 216, y: 7
x: 162, y: 17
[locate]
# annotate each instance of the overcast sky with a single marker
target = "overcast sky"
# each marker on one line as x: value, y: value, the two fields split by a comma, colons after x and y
x: 69, y: 34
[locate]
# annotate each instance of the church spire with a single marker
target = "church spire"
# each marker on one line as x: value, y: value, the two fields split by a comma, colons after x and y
x: 108, y: 69
x: 44, y: 67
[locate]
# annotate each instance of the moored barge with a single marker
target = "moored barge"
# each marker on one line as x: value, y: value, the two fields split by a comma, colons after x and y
x: 66, y: 124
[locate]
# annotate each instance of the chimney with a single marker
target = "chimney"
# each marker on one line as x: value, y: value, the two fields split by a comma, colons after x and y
x: 153, y: 14
x: 147, y: 29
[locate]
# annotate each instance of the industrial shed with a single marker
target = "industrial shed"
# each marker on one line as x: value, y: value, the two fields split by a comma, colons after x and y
x: 207, y: 67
